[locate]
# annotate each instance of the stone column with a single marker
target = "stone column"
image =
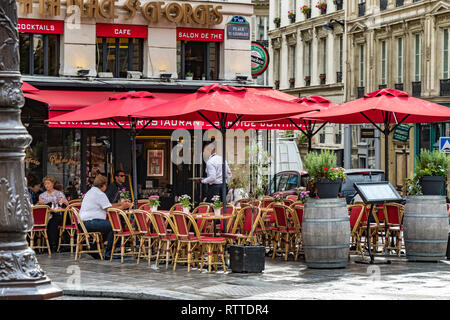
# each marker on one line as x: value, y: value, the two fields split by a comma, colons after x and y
x: 20, y: 274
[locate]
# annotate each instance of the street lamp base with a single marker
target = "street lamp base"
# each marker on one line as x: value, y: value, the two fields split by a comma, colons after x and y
x: 29, y: 290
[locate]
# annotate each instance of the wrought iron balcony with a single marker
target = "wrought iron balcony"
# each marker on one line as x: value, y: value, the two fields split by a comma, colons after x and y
x: 292, y: 83
x: 383, y: 5
x: 399, y: 86
x: 382, y: 86
x: 445, y: 87
x: 323, y: 78
x: 399, y: 3
x: 339, y: 76
x: 416, y: 88
x: 360, y: 92
x: 307, y: 81
x: 361, y: 9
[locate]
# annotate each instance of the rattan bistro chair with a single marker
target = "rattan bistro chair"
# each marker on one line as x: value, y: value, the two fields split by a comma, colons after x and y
x: 69, y: 226
x: 84, y: 237
x: 41, y: 215
x: 146, y: 236
x: 356, y: 212
x: 393, y: 219
x: 126, y: 234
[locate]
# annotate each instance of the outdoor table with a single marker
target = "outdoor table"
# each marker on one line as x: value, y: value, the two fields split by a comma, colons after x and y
x: 214, y: 218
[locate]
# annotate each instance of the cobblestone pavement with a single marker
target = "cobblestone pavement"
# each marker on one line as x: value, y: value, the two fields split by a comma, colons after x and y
x: 280, y: 280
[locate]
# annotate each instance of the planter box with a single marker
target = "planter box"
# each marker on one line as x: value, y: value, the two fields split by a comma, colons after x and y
x: 432, y: 185
x: 328, y: 189
x: 247, y: 258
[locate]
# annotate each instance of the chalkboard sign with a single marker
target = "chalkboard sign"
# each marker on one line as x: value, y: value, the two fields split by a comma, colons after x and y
x: 377, y: 192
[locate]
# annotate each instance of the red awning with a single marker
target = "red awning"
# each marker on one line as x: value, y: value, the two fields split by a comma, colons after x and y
x: 63, y: 101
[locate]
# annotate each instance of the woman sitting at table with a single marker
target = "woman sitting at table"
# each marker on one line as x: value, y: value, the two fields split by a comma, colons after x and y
x: 54, y: 199
x: 93, y: 212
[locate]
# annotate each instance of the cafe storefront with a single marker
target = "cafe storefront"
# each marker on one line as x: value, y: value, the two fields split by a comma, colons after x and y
x: 79, y: 53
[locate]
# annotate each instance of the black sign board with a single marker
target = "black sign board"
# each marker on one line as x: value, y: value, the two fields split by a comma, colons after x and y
x: 377, y: 192
x: 367, y: 133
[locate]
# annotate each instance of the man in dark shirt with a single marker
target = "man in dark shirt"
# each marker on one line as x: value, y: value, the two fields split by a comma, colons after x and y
x: 33, y: 188
x: 113, y: 190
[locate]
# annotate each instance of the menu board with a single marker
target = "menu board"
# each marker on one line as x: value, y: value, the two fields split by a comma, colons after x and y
x: 377, y: 192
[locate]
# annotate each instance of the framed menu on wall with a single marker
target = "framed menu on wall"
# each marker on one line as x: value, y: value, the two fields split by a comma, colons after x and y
x: 155, y: 163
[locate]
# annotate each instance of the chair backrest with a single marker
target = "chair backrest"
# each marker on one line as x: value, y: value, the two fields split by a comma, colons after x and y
x: 77, y: 220
x: 356, y: 211
x: 159, y: 221
x: 176, y: 207
x: 281, y: 215
x: 266, y: 201
x: 114, y: 215
x: 393, y: 213
x: 298, y: 209
x: 379, y: 209
x: 292, y: 197
x: 41, y: 215
x: 142, y: 220
x: 181, y: 224
x: 75, y: 201
x: 245, y: 215
x: 229, y: 209
x: 145, y: 207
x: 288, y: 202
x: 202, y: 209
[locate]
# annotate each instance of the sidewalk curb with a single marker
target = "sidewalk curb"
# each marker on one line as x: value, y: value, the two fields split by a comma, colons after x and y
x: 116, y: 294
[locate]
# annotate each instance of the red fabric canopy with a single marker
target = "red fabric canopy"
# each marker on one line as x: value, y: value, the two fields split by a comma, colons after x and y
x: 216, y: 103
x: 385, y: 106
x: 27, y: 88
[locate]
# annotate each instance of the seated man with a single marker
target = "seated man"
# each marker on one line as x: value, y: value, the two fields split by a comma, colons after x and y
x: 93, y: 212
x: 113, y: 190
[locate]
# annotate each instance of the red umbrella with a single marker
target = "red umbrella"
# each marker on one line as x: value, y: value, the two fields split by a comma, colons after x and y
x: 28, y: 88
x: 385, y: 106
x: 118, y: 108
x: 223, y: 106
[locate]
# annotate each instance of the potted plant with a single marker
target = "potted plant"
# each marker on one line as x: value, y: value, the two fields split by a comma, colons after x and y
x: 325, y: 177
x: 278, y: 197
x: 124, y: 195
x: 291, y: 16
x: 431, y: 171
x: 277, y: 83
x: 306, y: 10
x: 189, y: 75
x: 153, y: 201
x: 216, y: 205
x: 185, y: 201
x: 302, y: 195
x: 322, y: 6
x: 277, y: 21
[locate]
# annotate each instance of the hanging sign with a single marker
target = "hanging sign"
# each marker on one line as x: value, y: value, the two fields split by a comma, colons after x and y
x: 367, y: 133
x: 194, y: 34
x: 444, y: 144
x: 401, y: 133
x: 260, y: 59
x: 121, y: 31
x: 40, y: 26
x: 238, y: 31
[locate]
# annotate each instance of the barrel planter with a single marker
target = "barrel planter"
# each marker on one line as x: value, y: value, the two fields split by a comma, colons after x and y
x: 326, y: 233
x: 425, y: 228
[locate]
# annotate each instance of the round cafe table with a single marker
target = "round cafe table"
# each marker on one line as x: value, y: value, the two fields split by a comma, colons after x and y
x: 214, y: 218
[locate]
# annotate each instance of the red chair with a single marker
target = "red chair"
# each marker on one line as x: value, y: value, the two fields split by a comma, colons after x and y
x: 356, y: 213
x: 393, y: 218
x: 185, y: 240
x: 214, y: 245
x: 176, y: 207
x: 285, y: 231
x: 166, y: 240
x: 68, y: 225
x: 288, y: 202
x: 292, y: 197
x: 266, y: 201
x: 84, y: 237
x: 147, y: 235
x: 41, y: 215
x: 297, y: 211
x: 126, y: 235
x: 373, y: 227
x: 244, y: 227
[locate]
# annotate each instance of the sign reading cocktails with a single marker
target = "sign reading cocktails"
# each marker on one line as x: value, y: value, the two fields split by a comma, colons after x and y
x: 152, y: 11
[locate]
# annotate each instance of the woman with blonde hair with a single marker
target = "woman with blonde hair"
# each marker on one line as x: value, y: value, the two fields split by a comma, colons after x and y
x: 54, y: 199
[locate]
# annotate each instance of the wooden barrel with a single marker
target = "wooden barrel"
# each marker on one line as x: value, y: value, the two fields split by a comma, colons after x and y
x: 425, y: 228
x: 326, y: 233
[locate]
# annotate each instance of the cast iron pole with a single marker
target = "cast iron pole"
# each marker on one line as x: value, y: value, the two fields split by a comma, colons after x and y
x: 21, y: 277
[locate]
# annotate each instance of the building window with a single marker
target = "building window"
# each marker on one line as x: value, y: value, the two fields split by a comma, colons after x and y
x: 291, y: 62
x: 198, y: 59
x: 445, y: 56
x: 307, y: 62
x: 119, y: 55
x: 361, y: 65
x: 361, y: 8
x: 323, y: 60
x: 417, y: 57
x: 399, y: 60
x: 39, y: 54
x: 383, y: 62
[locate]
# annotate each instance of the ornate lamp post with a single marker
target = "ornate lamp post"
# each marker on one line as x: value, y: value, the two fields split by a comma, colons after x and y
x: 20, y: 274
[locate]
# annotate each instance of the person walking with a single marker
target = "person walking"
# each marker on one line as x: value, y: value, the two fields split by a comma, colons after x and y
x: 93, y: 213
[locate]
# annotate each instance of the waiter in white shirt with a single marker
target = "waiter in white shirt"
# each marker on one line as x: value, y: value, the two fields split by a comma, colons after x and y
x: 214, y: 174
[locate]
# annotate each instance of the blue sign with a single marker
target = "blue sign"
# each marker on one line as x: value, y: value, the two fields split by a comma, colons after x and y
x: 444, y: 144
x: 238, y: 20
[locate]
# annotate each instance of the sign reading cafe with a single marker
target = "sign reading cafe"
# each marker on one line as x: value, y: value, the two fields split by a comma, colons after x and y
x: 152, y: 11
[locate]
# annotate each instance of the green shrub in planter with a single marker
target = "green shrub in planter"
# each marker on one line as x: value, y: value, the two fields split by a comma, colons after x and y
x: 325, y: 177
x: 431, y: 171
